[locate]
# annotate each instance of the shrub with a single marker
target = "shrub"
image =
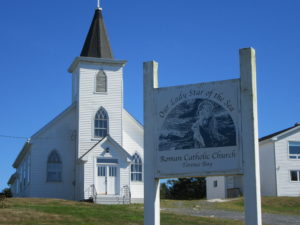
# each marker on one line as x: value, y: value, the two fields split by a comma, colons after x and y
x: 7, y: 192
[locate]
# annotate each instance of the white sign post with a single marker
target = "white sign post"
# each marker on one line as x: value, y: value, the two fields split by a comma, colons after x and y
x: 151, y: 184
x: 250, y: 137
x: 202, y: 130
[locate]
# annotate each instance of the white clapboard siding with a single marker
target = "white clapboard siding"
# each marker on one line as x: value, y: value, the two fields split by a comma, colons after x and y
x: 267, y: 168
x: 89, y: 102
x: 79, y: 195
x: 283, y: 165
x: 57, y: 135
x: 218, y: 192
x: 75, y: 85
x: 275, y: 166
x: 71, y: 134
x: 133, y: 141
x: 90, y: 167
x: 137, y: 191
x: 21, y: 186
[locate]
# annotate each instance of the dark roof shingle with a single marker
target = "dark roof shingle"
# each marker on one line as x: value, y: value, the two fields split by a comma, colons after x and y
x: 278, y: 132
x: 97, y: 43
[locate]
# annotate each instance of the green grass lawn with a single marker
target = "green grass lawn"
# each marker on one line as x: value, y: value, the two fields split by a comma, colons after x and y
x: 276, y: 205
x: 26, y: 211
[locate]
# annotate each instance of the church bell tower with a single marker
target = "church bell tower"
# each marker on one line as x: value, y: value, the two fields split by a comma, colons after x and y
x: 97, y: 88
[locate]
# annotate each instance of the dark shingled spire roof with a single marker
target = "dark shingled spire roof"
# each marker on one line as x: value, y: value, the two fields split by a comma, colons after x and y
x: 96, y: 43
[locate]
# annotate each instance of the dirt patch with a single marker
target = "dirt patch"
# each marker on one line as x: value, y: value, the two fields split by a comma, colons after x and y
x: 221, y: 200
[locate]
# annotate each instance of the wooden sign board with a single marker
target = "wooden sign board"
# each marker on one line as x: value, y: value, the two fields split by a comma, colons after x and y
x: 197, y: 129
x: 202, y: 130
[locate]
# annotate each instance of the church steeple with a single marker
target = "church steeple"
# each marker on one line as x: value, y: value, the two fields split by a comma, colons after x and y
x: 96, y: 43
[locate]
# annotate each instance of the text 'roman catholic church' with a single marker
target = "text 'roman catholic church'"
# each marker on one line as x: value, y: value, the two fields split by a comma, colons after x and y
x: 94, y: 148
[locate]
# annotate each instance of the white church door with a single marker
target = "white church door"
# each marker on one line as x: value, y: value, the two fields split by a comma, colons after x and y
x: 107, y: 179
x: 102, y: 180
x: 111, y: 180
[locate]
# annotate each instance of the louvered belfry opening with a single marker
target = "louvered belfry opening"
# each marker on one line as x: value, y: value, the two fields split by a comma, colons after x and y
x: 101, y: 81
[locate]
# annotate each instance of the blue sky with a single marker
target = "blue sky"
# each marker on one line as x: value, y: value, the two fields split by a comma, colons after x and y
x: 193, y: 41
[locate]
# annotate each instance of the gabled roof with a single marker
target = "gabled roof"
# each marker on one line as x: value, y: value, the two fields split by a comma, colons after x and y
x: 54, y: 120
x: 22, y: 154
x: 278, y: 132
x: 97, y: 43
x: 12, y: 178
x: 27, y: 144
x: 102, y: 140
x: 134, y: 120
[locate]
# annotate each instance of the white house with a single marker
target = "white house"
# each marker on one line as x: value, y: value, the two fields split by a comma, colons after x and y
x: 224, y: 187
x: 94, y: 148
x: 279, y: 168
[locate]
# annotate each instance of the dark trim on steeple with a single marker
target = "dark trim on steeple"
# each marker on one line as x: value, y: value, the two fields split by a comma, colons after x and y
x: 96, y: 43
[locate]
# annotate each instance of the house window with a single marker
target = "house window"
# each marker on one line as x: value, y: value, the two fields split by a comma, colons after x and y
x: 215, y: 183
x: 101, y: 123
x: 294, y: 150
x: 295, y: 175
x: 101, y: 81
x: 54, y: 168
x: 136, y: 168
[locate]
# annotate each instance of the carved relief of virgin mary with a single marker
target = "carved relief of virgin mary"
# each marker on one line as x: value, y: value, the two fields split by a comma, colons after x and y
x: 197, y: 123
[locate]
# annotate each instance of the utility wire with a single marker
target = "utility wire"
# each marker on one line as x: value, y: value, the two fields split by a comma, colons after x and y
x: 72, y: 136
x: 13, y: 137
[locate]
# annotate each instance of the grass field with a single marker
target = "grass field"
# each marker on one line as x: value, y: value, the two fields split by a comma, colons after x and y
x: 61, y: 212
x: 26, y: 211
x: 276, y: 205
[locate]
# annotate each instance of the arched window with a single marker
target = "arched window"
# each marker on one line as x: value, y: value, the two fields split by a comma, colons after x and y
x: 54, y: 167
x: 136, y: 168
x: 101, y: 123
x: 101, y: 82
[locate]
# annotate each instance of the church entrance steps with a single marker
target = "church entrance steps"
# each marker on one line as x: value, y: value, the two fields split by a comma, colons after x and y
x: 111, y: 199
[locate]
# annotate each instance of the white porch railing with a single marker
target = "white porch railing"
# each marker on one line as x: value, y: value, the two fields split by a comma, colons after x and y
x: 94, y: 192
x: 123, y: 198
x: 91, y: 192
x: 126, y: 194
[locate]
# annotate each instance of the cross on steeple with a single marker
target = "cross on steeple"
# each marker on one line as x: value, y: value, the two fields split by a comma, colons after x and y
x: 98, y: 5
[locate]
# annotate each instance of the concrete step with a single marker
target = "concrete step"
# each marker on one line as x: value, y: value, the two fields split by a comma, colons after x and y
x: 111, y: 199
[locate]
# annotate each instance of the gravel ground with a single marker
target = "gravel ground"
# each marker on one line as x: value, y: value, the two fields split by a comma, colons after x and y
x: 267, y: 218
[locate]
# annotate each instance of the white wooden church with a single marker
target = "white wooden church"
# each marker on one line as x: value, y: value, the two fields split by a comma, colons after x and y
x: 94, y: 148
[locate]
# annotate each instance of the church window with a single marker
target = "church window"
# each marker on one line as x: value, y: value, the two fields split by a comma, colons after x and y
x: 136, y: 168
x: 101, y: 82
x: 107, y: 160
x: 112, y: 171
x: 54, y: 167
x: 101, y: 171
x: 101, y: 123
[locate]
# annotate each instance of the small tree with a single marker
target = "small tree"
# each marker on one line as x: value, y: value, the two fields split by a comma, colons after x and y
x: 164, y: 191
x: 187, y: 188
x: 2, y: 200
x: 7, y: 192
